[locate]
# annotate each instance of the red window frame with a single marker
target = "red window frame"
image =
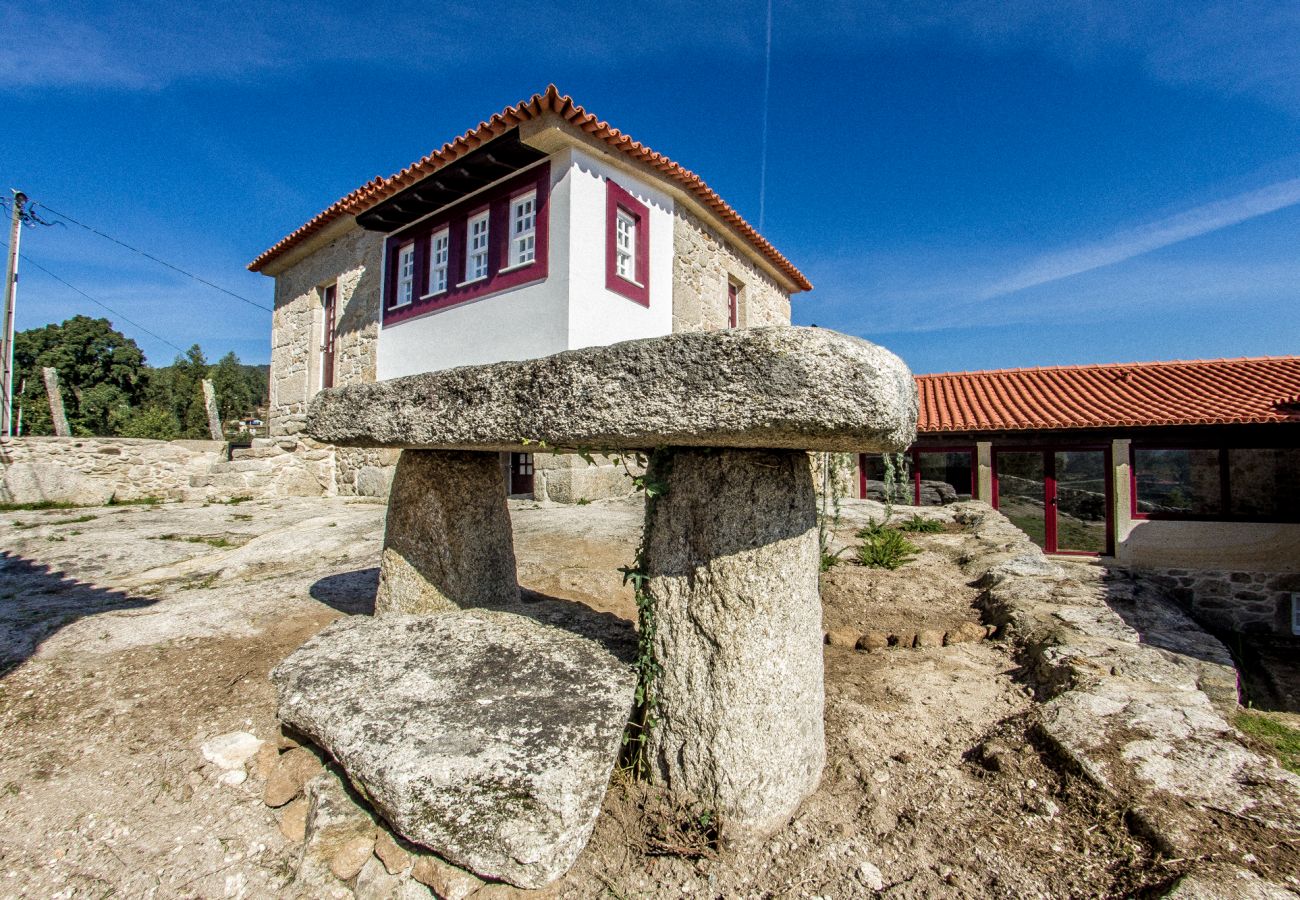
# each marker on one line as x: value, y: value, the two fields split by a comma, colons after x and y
x: 733, y: 304
x: 455, y: 219
x: 617, y: 198
x: 915, y: 457
x: 1225, y: 488
x: 1050, y: 522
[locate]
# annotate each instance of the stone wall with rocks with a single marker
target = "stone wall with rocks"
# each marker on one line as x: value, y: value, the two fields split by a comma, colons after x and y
x: 703, y: 262
x: 352, y: 261
x: 1246, y: 602
x: 94, y: 471
x: 364, y: 472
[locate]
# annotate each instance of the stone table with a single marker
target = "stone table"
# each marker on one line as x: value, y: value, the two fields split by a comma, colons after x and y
x: 731, y: 548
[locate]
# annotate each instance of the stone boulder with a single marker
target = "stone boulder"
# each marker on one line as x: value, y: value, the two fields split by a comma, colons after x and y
x: 484, y: 736
x: 778, y: 387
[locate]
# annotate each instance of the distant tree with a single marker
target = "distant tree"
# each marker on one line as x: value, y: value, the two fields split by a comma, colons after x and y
x: 151, y: 422
x: 101, y: 371
x: 234, y: 393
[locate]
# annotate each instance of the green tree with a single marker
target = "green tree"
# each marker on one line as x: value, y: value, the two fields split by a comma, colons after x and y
x: 101, y: 371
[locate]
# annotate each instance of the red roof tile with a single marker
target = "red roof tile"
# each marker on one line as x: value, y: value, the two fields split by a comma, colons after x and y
x: 1198, y: 392
x: 380, y: 189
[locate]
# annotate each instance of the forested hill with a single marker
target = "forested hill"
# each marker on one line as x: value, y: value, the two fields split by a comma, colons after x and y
x: 110, y: 390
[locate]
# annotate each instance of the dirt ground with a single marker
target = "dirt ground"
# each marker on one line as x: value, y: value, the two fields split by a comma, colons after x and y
x: 130, y: 635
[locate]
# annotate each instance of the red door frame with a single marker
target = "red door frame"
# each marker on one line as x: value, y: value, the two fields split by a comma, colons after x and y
x: 1049, y: 492
x: 331, y: 293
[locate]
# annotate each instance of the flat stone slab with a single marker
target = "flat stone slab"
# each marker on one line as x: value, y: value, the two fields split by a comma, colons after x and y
x: 781, y: 387
x: 485, y: 736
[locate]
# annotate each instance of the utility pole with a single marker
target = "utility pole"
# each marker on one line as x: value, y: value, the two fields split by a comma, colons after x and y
x: 7, y: 324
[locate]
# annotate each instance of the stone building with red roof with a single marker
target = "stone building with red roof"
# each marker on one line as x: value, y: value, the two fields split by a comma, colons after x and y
x: 1189, y: 470
x: 539, y: 230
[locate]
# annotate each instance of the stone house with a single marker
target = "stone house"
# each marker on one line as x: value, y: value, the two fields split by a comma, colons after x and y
x: 540, y: 230
x: 1188, y: 471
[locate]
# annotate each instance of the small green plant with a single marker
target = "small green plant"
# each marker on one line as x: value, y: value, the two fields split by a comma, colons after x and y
x: 134, y: 501
x: 887, y: 549
x: 55, y: 537
x: 583, y: 501
x: 871, y: 530
x: 37, y: 506
x: 212, y: 541
x: 920, y: 525
x: 831, y: 560
x: 234, y: 501
x: 1283, y: 740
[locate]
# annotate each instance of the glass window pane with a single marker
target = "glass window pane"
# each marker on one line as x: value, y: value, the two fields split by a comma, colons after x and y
x: 1181, y: 482
x: 1022, y: 491
x: 1081, y: 500
x: 1264, y: 483
x: 945, y: 477
x: 903, y: 490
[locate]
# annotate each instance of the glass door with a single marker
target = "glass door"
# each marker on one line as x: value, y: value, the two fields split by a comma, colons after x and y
x: 1081, y: 508
x: 1060, y: 498
x: 1021, y: 493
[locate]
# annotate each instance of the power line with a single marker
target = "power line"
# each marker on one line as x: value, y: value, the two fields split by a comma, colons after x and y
x: 162, y: 262
x: 33, y: 262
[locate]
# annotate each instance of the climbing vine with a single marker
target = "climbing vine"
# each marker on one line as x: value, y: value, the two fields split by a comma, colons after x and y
x: 829, y: 504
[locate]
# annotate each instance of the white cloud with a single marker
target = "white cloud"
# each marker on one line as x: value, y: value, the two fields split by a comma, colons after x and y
x: 1151, y: 236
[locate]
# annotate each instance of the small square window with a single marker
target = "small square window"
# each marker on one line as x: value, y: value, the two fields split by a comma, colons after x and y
x: 476, y: 257
x: 523, y: 229
x: 405, y: 274
x: 625, y: 245
x: 439, y: 247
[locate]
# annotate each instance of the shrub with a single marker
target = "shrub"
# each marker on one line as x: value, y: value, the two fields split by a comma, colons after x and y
x: 920, y: 525
x: 887, y: 549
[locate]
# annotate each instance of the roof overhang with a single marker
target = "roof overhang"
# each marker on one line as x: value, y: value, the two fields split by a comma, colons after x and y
x: 500, y: 157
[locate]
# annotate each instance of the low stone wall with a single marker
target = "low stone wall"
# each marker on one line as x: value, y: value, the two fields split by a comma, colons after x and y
x: 1246, y: 602
x: 1134, y: 698
x: 94, y: 471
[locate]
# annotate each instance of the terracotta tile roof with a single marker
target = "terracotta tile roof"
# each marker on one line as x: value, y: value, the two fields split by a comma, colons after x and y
x: 380, y: 189
x: 1198, y: 392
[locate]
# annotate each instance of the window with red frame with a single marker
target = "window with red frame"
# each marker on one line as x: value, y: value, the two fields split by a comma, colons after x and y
x: 627, y: 245
x: 489, y: 242
x: 1215, y: 483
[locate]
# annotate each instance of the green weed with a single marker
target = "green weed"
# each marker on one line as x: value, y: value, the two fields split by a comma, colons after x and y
x: 920, y: 525
x: 887, y: 549
x: 1283, y: 740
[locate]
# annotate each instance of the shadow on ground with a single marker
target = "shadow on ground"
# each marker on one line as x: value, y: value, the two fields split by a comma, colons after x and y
x: 36, y: 601
x: 353, y: 593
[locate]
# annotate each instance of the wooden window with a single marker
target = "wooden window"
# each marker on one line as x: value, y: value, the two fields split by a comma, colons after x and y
x: 627, y: 245
x: 476, y: 243
x: 444, y: 266
x: 523, y: 230
x: 405, y: 274
x: 733, y: 305
x: 439, y: 258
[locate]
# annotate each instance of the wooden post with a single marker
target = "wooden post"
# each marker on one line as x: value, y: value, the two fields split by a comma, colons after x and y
x: 56, y: 401
x: 210, y: 401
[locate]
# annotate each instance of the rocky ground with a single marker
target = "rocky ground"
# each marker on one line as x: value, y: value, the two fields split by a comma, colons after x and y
x: 130, y: 636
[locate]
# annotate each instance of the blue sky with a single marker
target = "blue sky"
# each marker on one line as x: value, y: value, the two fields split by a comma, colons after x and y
x: 972, y: 184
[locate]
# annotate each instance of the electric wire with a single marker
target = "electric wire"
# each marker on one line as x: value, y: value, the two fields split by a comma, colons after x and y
x: 147, y: 255
x: 156, y: 337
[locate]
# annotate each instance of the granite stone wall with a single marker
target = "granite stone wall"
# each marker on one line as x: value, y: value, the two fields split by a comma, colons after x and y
x: 703, y: 263
x: 94, y: 471
x: 1247, y: 602
x: 352, y: 261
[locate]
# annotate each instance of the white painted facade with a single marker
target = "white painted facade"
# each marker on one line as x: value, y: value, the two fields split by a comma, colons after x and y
x: 571, y: 307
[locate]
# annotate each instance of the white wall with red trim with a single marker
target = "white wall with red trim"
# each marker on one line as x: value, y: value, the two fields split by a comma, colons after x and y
x: 571, y: 308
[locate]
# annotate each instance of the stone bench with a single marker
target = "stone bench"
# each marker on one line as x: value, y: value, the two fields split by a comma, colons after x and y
x: 731, y: 553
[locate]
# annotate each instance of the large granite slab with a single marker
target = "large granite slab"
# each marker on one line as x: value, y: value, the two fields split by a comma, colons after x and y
x: 485, y: 736
x: 780, y: 387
